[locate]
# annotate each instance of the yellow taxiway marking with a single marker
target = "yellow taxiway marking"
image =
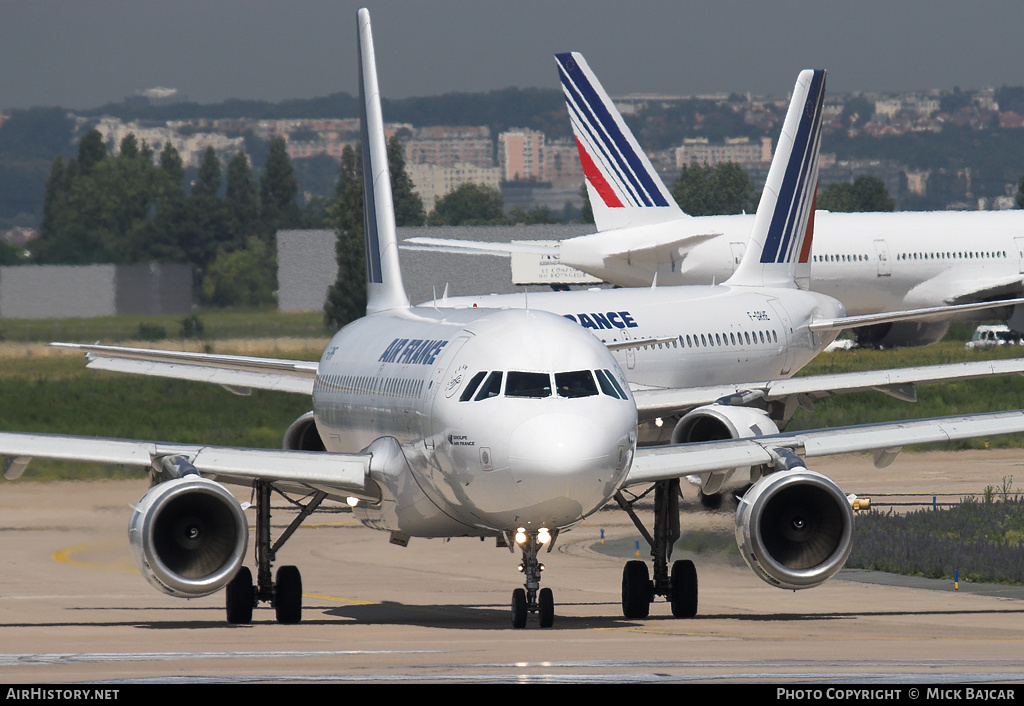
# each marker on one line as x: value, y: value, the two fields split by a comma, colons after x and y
x: 66, y: 556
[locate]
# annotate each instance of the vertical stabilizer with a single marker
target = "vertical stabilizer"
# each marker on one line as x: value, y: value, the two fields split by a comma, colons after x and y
x: 778, y: 253
x: 624, y: 189
x: 384, y: 289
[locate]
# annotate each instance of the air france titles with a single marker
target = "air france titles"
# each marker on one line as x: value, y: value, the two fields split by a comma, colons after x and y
x: 608, y: 320
x: 414, y: 351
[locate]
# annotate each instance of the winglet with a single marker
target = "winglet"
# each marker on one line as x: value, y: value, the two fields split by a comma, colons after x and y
x: 624, y: 189
x: 778, y: 253
x: 384, y: 288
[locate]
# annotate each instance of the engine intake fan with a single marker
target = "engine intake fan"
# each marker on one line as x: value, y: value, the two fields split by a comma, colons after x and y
x: 794, y: 528
x: 188, y: 536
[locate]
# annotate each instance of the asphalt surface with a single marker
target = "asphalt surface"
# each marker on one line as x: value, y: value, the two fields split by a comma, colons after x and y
x: 74, y: 609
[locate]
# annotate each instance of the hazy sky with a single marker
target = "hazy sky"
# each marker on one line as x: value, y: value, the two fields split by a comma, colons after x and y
x: 83, y: 53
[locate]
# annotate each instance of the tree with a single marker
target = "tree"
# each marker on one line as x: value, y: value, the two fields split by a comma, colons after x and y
x: 241, y: 277
x: 469, y: 204
x: 240, y: 198
x: 866, y: 193
x: 346, y: 298
x: 408, y: 204
x: 278, y: 208
x: 703, y: 190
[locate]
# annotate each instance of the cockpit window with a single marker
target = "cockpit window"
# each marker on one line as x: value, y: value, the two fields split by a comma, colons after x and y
x: 471, y: 387
x: 609, y: 385
x: 491, y: 387
x: 521, y: 384
x: 578, y: 383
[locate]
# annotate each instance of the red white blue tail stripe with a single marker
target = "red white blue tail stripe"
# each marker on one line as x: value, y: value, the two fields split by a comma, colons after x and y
x: 616, y: 168
x: 780, y: 241
x: 786, y: 235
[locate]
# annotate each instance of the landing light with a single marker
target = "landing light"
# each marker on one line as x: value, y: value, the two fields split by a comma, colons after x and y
x: 658, y: 422
x: 520, y: 535
x: 543, y: 536
x: 352, y: 502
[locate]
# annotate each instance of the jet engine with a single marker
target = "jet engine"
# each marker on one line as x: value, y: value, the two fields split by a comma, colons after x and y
x: 188, y: 536
x: 794, y: 528
x: 716, y: 422
x: 303, y: 435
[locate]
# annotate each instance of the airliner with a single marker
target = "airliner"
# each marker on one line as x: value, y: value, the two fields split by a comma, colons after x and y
x: 512, y: 424
x: 872, y: 262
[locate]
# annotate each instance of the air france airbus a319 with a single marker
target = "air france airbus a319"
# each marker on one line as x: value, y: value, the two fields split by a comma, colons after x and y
x: 509, y: 424
x: 871, y: 262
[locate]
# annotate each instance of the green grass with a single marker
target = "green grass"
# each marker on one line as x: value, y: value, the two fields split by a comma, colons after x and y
x: 217, y: 324
x: 59, y: 395
x: 968, y: 396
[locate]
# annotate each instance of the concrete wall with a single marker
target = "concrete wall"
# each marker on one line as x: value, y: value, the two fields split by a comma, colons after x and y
x: 85, y: 291
x: 307, y: 263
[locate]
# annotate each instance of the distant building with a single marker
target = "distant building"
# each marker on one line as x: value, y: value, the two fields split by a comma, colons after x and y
x: 521, y: 154
x: 740, y: 150
x: 431, y: 182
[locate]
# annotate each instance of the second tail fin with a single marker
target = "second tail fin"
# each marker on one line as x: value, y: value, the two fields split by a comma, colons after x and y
x: 778, y: 252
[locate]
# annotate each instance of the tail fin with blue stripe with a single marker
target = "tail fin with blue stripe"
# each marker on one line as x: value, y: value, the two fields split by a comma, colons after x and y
x: 384, y: 288
x: 624, y: 189
x: 780, y: 241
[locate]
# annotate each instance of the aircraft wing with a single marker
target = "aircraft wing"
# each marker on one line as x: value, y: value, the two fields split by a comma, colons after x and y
x: 897, y: 382
x: 925, y: 314
x: 476, y: 247
x: 238, y: 373
x: 654, y: 463
x: 339, y: 475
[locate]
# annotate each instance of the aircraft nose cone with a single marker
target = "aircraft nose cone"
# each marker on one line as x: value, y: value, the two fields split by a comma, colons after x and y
x: 565, y: 455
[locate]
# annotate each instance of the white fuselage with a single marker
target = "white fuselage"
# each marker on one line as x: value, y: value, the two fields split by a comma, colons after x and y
x: 475, y: 464
x: 718, y: 334
x: 871, y: 262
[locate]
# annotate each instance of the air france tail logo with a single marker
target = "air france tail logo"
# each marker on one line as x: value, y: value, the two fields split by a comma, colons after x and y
x: 610, y: 158
x: 608, y: 320
x: 415, y: 351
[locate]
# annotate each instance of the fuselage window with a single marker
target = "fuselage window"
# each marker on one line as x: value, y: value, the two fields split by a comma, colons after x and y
x: 578, y: 383
x: 746, y: 337
x: 471, y: 387
x: 703, y: 341
x: 491, y: 387
x: 520, y: 384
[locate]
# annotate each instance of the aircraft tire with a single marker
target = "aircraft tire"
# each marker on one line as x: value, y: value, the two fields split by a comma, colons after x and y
x: 546, y: 606
x: 684, y: 589
x: 288, y: 595
x: 238, y: 597
x: 519, y: 610
x: 636, y: 590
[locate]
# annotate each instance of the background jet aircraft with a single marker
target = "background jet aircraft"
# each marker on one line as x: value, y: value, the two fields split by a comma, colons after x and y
x: 501, y: 423
x: 872, y: 262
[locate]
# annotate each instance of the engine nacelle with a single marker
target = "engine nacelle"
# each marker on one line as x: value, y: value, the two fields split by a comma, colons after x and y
x: 188, y: 536
x: 794, y: 528
x: 303, y: 435
x: 716, y: 422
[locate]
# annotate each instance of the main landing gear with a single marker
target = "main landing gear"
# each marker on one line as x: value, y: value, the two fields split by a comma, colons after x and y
x: 679, y: 586
x: 284, y: 594
x: 532, y: 598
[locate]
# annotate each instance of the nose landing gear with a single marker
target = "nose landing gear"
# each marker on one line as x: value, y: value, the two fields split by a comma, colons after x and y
x: 532, y: 598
